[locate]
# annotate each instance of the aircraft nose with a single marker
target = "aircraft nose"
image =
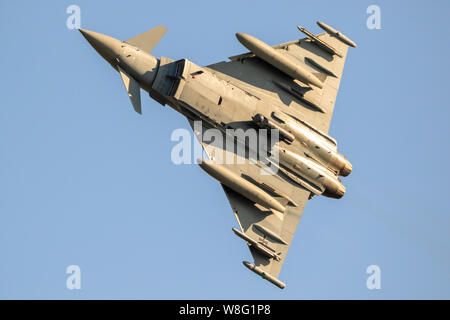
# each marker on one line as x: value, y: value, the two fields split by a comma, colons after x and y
x: 108, y: 47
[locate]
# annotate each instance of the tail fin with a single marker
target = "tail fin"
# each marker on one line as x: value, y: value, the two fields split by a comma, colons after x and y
x: 149, y: 39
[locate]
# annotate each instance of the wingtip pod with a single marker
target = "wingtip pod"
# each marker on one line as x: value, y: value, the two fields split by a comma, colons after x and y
x: 264, y: 275
x: 336, y: 33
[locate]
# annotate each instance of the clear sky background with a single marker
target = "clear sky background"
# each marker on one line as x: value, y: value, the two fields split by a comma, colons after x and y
x: 86, y: 181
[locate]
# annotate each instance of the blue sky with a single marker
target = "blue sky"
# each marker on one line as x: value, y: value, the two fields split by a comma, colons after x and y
x: 86, y: 181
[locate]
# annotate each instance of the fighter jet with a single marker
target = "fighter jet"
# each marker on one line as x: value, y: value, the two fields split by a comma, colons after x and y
x: 283, y: 94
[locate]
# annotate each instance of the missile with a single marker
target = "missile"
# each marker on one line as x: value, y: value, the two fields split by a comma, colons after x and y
x: 258, y: 246
x: 284, y: 118
x: 337, y: 34
x: 314, y: 172
x: 264, y: 275
x: 276, y: 59
x: 318, y: 148
x: 320, y: 43
x: 269, y: 233
x: 263, y: 122
x: 240, y: 185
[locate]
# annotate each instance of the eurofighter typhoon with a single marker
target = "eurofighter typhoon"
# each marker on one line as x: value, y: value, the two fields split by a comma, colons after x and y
x: 284, y: 94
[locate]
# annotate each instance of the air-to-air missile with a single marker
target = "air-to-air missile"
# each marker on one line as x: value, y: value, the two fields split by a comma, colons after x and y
x: 240, y: 185
x: 265, y: 250
x: 337, y: 34
x: 320, y: 43
x: 264, y: 275
x: 276, y: 59
x: 313, y: 172
x: 320, y: 148
x: 265, y: 123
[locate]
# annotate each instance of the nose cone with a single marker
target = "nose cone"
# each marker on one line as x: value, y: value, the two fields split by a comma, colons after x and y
x: 107, y: 47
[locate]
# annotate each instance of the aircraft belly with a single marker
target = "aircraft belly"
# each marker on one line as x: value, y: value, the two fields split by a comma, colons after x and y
x: 217, y: 100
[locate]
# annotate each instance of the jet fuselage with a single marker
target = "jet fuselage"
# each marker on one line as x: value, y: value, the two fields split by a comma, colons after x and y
x: 200, y: 93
